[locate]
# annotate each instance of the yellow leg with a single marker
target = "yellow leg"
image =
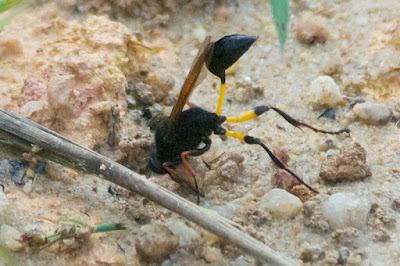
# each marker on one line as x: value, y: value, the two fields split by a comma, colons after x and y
x: 235, y: 135
x: 248, y: 115
x: 221, y: 99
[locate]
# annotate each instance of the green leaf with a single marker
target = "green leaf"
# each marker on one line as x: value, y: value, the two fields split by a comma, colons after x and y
x: 280, y: 12
x: 7, y: 4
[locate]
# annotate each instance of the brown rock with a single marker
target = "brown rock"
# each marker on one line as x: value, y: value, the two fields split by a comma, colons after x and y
x: 222, y: 13
x: 155, y: 243
x: 283, y: 179
x: 311, y: 28
x: 349, y: 164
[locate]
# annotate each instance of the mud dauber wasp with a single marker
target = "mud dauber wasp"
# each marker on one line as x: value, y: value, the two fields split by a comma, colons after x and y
x: 180, y: 135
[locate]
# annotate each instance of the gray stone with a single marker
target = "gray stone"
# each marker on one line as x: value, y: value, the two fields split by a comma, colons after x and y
x: 344, y: 210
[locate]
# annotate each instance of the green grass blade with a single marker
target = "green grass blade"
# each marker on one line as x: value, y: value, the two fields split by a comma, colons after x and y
x: 7, y: 4
x: 280, y: 12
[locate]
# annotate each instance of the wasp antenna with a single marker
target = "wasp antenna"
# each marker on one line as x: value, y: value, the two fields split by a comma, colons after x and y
x: 226, y: 51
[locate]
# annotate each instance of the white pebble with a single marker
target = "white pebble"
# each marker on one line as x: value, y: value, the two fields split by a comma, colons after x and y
x: 372, y: 113
x: 28, y: 186
x: 10, y: 238
x: 227, y: 210
x: 344, y: 210
x: 281, y: 204
x: 324, y: 92
x: 186, y: 234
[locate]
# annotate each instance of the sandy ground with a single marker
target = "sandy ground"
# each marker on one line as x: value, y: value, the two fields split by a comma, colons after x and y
x: 361, y: 55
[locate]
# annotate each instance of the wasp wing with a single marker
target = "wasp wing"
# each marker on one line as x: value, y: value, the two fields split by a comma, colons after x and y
x: 191, y: 80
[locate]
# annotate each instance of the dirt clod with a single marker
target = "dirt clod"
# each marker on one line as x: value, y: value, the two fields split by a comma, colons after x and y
x: 155, y: 243
x: 311, y: 28
x: 349, y: 164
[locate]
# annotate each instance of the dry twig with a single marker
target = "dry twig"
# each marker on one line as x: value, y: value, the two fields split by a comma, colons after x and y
x: 25, y: 134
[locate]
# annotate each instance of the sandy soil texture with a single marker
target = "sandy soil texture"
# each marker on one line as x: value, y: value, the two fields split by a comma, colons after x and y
x: 74, y: 67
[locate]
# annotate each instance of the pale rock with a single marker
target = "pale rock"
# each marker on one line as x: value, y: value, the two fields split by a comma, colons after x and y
x: 161, y: 82
x: 372, y: 113
x: 311, y: 28
x: 5, y: 212
x: 186, y: 234
x: 10, y: 238
x: 281, y: 204
x: 155, y: 243
x: 344, y: 210
x: 213, y: 255
x: 324, y: 92
x: 28, y: 186
x: 227, y: 210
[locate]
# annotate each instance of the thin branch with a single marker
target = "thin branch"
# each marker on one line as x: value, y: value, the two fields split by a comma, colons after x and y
x: 24, y: 133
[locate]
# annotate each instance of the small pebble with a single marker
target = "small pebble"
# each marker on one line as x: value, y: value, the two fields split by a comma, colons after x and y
x: 227, y: 210
x: 155, y: 243
x: 141, y: 92
x: 372, y: 113
x: 241, y: 95
x: 281, y: 203
x: 350, y: 163
x: 161, y: 82
x: 344, y: 210
x: 229, y: 170
x: 222, y: 13
x: 311, y: 28
x: 213, y: 255
x: 344, y: 254
x: 28, y: 186
x: 186, y: 234
x: 324, y: 92
x: 10, y: 238
x: 246, y: 89
x: 309, y: 253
